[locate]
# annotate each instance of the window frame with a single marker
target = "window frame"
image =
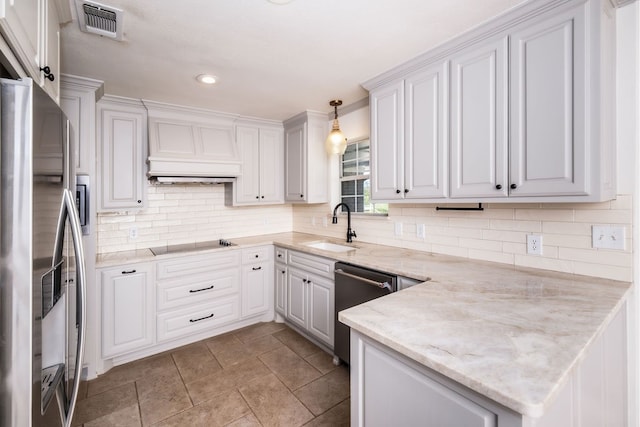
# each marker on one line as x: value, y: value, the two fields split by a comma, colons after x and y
x: 356, y: 178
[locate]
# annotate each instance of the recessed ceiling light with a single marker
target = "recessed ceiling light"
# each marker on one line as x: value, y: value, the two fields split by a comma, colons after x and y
x: 280, y: 1
x: 207, y: 79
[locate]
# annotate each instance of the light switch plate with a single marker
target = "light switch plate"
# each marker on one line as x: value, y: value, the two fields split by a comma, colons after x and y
x: 608, y: 237
x: 420, y: 232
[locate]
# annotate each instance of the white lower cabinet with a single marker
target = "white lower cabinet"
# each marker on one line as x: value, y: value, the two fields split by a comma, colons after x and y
x: 192, y: 319
x: 127, y: 308
x: 257, y: 281
x: 419, y: 398
x: 280, y: 281
x: 196, y: 293
x: 308, y: 300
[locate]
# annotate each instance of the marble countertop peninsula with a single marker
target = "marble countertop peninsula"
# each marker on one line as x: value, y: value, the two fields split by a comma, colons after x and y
x: 513, y: 335
x: 510, y: 333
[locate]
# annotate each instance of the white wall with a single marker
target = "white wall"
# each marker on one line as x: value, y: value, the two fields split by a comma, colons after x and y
x: 628, y: 129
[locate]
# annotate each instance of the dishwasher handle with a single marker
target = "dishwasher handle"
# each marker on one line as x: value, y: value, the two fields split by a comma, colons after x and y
x: 381, y: 285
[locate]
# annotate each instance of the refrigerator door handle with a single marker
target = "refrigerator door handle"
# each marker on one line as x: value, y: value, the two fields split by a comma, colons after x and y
x: 69, y: 211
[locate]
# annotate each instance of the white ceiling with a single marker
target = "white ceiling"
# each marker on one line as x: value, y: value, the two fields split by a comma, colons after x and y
x: 272, y: 61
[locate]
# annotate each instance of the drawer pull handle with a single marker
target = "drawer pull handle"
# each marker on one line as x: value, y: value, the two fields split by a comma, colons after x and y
x: 192, y: 291
x: 256, y: 268
x: 202, y: 318
x: 129, y: 272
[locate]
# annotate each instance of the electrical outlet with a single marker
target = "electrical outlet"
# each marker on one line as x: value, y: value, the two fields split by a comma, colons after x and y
x: 133, y: 233
x: 420, y: 232
x: 534, y: 244
x: 607, y: 237
x: 398, y: 229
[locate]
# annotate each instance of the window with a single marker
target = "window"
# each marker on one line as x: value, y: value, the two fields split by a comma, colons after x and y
x: 354, y: 179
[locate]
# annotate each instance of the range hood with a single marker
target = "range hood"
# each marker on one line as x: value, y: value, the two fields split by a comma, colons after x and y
x: 191, y: 145
x: 191, y: 180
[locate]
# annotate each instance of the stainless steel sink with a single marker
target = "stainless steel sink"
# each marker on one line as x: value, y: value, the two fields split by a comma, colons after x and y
x: 329, y: 246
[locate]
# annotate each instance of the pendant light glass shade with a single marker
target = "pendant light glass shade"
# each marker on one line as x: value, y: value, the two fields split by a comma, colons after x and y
x: 336, y: 142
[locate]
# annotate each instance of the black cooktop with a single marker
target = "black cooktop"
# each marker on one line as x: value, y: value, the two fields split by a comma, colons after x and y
x: 190, y: 247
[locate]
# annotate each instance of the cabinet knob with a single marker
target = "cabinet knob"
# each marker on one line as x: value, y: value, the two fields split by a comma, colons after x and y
x: 302, y: 195
x: 257, y: 255
x: 513, y: 186
x: 139, y: 201
x: 499, y: 187
x: 262, y: 197
x: 279, y: 255
x: 283, y: 272
x: 257, y: 197
x: 47, y: 73
x: 406, y: 190
x: 397, y: 191
x: 304, y: 280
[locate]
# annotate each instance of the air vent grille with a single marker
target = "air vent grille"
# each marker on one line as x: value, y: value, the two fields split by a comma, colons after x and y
x: 99, y: 19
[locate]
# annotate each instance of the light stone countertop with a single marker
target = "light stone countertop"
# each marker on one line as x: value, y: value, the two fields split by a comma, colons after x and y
x: 512, y: 334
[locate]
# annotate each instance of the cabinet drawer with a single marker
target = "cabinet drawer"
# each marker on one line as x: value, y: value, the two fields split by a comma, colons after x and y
x: 281, y: 255
x: 313, y: 264
x: 198, y: 288
x: 260, y: 254
x: 179, y: 267
x: 179, y: 323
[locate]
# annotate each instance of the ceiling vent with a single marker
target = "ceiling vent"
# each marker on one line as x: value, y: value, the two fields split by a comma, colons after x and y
x: 99, y: 19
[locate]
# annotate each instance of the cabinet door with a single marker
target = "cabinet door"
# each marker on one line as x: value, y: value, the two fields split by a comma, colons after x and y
x: 479, y: 121
x: 321, y: 307
x: 425, y: 134
x: 280, y: 281
x: 20, y: 24
x: 50, y: 50
x: 271, y: 166
x: 387, y: 139
x: 127, y: 309
x: 257, y: 294
x: 418, y: 399
x: 248, y: 184
x: 295, y: 164
x: 122, y: 157
x: 297, y: 297
x: 548, y: 98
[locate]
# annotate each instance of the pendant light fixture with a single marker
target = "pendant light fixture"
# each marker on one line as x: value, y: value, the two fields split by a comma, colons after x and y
x: 336, y: 143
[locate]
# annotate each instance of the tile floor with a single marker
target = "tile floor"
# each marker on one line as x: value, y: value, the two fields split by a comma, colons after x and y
x: 265, y: 374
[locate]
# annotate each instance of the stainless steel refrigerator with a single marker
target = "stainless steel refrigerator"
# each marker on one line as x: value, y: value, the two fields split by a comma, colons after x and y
x: 42, y: 274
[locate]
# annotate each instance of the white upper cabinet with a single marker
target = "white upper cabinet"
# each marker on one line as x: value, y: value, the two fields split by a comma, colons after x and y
x: 306, y: 161
x: 531, y: 114
x: 426, y: 118
x: 479, y: 120
x: 32, y: 29
x: 262, y: 153
x: 408, y: 130
x: 122, y: 132
x: 78, y: 101
x: 548, y: 110
x: 387, y: 141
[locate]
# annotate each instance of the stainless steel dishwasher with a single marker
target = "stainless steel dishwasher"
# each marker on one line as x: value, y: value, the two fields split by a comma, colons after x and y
x: 355, y: 285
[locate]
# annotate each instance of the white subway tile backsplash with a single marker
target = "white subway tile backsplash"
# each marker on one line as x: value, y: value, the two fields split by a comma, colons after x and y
x: 184, y: 213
